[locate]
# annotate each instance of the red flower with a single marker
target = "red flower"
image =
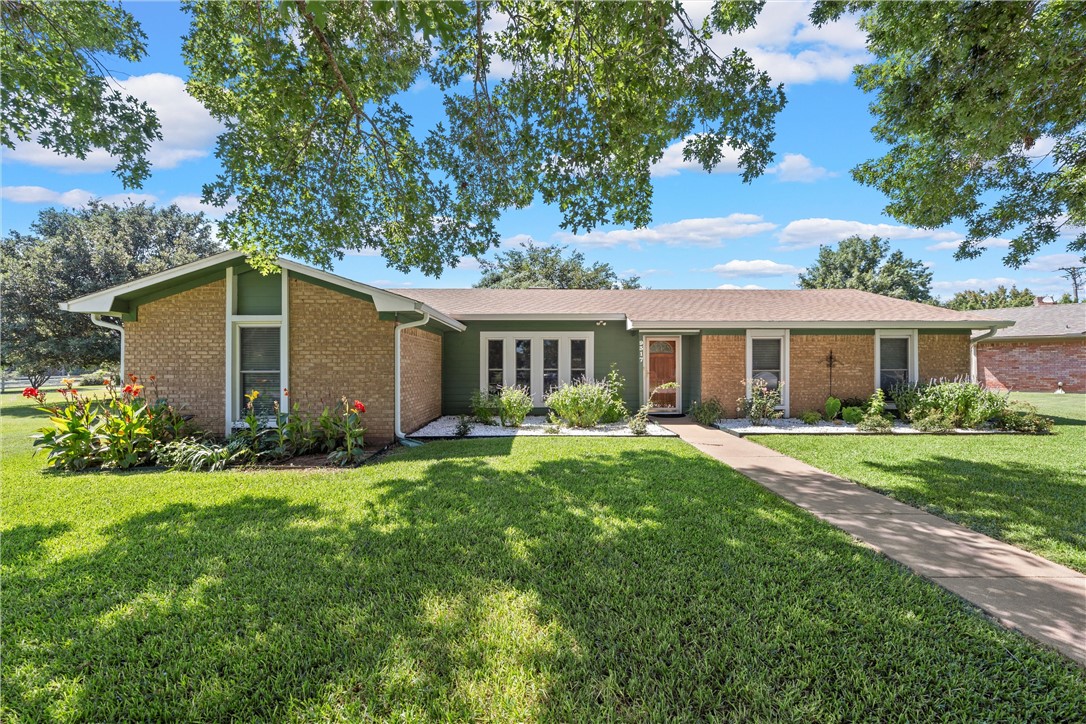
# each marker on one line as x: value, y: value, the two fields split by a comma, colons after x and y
x: 30, y: 392
x: 127, y: 389
x: 359, y: 406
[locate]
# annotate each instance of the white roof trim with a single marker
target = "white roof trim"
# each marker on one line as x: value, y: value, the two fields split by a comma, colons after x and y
x: 828, y: 324
x: 572, y: 317
x: 102, y: 302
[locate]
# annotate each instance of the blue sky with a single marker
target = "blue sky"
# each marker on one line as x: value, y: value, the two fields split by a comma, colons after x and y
x: 708, y: 230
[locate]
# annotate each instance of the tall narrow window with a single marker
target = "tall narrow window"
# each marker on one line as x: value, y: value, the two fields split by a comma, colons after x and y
x: 893, y: 362
x: 765, y: 361
x: 258, y: 365
x: 550, y: 365
x: 495, y: 364
x: 578, y: 359
x: 522, y: 349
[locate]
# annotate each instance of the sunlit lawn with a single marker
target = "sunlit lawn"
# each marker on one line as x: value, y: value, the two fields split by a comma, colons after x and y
x: 1027, y: 490
x: 537, y: 579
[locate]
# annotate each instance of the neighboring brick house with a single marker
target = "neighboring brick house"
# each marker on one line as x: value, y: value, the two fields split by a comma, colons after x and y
x: 1044, y: 351
x: 213, y: 330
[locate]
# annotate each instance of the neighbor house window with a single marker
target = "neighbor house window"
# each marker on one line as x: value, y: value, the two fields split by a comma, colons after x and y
x: 259, y: 367
x: 540, y: 361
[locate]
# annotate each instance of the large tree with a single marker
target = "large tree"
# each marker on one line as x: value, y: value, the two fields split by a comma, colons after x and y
x: 57, y: 90
x: 999, y: 298
x: 868, y: 264
x: 71, y: 253
x: 570, y: 102
x: 546, y: 266
x: 983, y: 106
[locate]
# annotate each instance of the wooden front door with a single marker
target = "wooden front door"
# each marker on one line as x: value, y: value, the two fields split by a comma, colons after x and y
x: 661, y: 368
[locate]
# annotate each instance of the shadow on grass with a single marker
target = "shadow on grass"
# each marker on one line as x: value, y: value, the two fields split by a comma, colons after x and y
x: 1017, y: 502
x: 635, y: 584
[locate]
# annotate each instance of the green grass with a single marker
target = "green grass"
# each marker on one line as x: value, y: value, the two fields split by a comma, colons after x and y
x: 535, y: 579
x: 1029, y: 491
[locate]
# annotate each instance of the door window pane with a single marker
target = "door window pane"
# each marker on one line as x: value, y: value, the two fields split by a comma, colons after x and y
x: 495, y: 364
x: 522, y: 349
x: 550, y: 365
x: 258, y: 363
x: 765, y: 361
x: 578, y: 359
x: 894, y: 362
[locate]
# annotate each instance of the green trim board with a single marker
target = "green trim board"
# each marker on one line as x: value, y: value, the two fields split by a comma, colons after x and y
x: 257, y: 293
x: 131, y: 314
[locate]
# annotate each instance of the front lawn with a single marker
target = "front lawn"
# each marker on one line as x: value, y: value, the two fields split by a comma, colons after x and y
x: 1027, y: 490
x: 556, y: 579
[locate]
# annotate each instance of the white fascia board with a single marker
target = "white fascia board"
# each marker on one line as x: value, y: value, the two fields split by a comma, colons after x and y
x: 384, y: 300
x: 777, y: 324
x: 102, y: 302
x: 497, y: 317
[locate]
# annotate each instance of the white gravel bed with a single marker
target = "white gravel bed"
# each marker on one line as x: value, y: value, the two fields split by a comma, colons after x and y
x: 533, y: 425
x: 795, y: 426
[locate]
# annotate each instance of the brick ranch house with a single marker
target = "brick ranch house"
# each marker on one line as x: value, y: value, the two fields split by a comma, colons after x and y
x: 214, y: 329
x: 1044, y: 350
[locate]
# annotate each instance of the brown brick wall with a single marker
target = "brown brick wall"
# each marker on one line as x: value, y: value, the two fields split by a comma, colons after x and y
x: 1033, y: 366
x: 339, y: 346
x: 181, y: 340
x: 723, y: 369
x: 943, y: 356
x: 420, y: 378
x: 853, y: 369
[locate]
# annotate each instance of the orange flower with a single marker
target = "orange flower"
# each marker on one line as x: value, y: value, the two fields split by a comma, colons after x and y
x: 359, y: 406
x: 152, y: 378
x: 133, y: 379
x: 106, y: 381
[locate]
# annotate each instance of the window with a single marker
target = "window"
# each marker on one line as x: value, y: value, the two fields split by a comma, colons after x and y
x: 894, y: 362
x: 765, y: 358
x: 539, y: 361
x: 258, y: 367
x: 495, y: 364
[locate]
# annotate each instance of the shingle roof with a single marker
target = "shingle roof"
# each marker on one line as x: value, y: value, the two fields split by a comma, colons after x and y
x: 693, y: 307
x: 1046, y: 320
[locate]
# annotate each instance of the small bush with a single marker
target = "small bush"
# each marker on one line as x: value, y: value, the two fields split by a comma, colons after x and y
x: 833, y: 408
x: 515, y: 405
x: 761, y: 406
x: 581, y: 404
x: 853, y: 402
x: 706, y: 412
x: 485, y: 406
x: 99, y: 376
x: 811, y: 417
x: 464, y: 426
x: 639, y: 421
x: 874, y: 418
x: 944, y: 405
x: 197, y: 455
x: 554, y: 425
x: 1023, y: 417
x: 852, y: 414
x: 616, y: 409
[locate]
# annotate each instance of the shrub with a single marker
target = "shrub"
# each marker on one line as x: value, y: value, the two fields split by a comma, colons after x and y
x: 761, y: 406
x: 1023, y: 417
x: 639, y: 421
x: 464, y: 426
x: 349, y: 423
x: 811, y: 417
x: 852, y: 415
x: 833, y: 408
x: 962, y: 404
x: 616, y: 410
x: 581, y: 404
x: 99, y: 376
x: 853, y: 402
x: 706, y: 412
x: 516, y: 403
x: 196, y: 455
x: 874, y: 418
x: 485, y: 406
x: 554, y: 425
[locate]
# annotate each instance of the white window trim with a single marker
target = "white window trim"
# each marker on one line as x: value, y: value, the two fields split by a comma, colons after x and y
x: 509, y: 358
x: 234, y: 322
x: 676, y: 340
x: 914, y: 354
x: 786, y: 363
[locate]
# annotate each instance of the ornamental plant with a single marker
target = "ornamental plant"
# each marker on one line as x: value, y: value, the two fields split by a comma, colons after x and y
x: 485, y: 406
x: 580, y: 404
x: 516, y: 403
x: 833, y: 408
x: 706, y: 412
x: 616, y: 409
x: 761, y: 406
x: 352, y: 434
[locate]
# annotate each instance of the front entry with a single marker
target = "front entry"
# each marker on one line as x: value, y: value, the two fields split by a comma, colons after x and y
x: 661, y: 368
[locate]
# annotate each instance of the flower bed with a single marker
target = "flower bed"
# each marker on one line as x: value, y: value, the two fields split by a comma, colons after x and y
x: 445, y: 427
x: 795, y: 426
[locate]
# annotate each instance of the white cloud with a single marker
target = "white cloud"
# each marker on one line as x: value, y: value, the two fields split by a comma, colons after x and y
x: 754, y: 268
x: 73, y: 197
x: 188, y: 130
x: 803, y: 233
x: 797, y: 167
x: 1052, y: 262
x: 193, y: 204
x: 694, y: 232
x: 362, y: 252
x: 737, y: 286
x: 468, y: 262
x: 953, y: 244
x: 672, y: 162
x: 515, y: 240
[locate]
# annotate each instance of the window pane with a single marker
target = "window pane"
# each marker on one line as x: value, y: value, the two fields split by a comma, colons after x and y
x: 765, y: 361
x: 495, y: 352
x: 894, y: 354
x: 550, y: 365
x: 494, y: 380
x: 522, y: 349
x: 578, y: 359
x: 259, y: 348
x: 267, y: 384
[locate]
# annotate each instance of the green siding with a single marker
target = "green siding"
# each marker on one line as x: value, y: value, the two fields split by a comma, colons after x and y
x: 259, y: 293
x: 691, y: 370
x: 460, y: 360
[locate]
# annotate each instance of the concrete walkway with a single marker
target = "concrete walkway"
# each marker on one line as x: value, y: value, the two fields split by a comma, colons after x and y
x: 1023, y: 591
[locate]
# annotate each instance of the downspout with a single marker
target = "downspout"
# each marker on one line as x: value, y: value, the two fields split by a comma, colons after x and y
x: 973, y: 351
x: 97, y: 320
x: 400, y: 436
